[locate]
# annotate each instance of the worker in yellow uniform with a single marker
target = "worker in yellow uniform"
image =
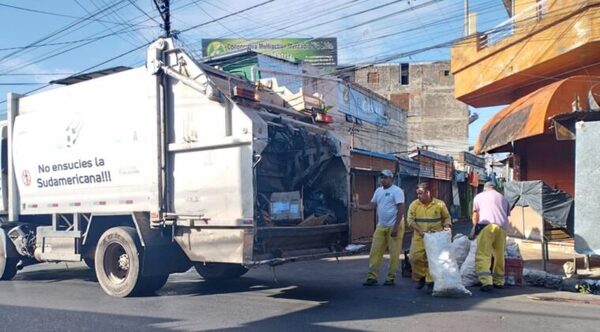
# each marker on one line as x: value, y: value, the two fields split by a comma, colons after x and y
x: 388, y: 201
x: 425, y: 214
x: 490, y: 220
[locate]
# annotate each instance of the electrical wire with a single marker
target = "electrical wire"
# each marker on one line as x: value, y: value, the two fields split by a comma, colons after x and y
x: 62, y: 15
x: 59, y: 31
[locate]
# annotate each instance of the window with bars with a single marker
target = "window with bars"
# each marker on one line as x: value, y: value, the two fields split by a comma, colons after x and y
x: 404, y: 69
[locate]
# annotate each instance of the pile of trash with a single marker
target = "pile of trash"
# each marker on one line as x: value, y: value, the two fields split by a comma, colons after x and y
x: 290, y: 209
x: 464, y: 251
x: 543, y: 279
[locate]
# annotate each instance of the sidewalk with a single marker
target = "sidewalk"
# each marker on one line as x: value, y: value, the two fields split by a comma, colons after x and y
x: 559, y: 254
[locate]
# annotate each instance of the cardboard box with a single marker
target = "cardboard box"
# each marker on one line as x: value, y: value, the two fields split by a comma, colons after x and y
x: 286, y: 207
x: 513, y: 271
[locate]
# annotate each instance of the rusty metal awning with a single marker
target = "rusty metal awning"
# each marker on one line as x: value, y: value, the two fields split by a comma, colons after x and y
x: 530, y: 115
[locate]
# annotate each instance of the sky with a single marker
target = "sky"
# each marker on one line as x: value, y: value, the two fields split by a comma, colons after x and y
x: 45, y: 40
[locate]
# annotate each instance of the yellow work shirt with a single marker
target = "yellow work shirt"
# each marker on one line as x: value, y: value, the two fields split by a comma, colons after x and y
x: 432, y: 213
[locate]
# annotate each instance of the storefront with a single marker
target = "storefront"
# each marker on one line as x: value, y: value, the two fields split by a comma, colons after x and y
x: 365, y: 167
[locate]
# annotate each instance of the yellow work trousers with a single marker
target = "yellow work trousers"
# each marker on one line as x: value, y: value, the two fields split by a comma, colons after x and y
x: 491, y: 241
x: 382, y: 240
x: 418, y: 258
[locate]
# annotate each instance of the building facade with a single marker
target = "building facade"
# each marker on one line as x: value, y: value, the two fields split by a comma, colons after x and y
x: 543, y: 63
x: 360, y: 117
x: 436, y: 120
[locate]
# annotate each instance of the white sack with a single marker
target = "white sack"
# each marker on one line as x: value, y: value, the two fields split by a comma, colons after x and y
x: 467, y: 270
x: 442, y: 266
x: 512, y: 249
x: 460, y: 248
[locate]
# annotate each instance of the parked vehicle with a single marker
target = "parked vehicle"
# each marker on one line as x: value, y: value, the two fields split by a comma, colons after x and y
x: 149, y: 171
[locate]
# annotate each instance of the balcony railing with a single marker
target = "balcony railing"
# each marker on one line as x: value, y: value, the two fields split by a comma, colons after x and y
x: 527, y: 17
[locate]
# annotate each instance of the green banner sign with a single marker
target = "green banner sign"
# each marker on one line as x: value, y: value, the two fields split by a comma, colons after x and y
x: 318, y: 52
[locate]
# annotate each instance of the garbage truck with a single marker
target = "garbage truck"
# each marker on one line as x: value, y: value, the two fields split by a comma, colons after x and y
x: 149, y: 171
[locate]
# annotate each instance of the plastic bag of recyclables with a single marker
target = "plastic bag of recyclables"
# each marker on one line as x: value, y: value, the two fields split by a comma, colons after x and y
x: 512, y: 249
x: 442, y: 266
x: 460, y: 248
x: 468, y: 272
x: 467, y: 269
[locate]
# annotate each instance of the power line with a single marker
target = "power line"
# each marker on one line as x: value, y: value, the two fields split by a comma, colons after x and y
x: 59, y: 31
x: 61, y: 15
x: 112, y: 13
x: 20, y: 83
x: 68, y: 42
x: 320, y: 12
x: 49, y: 56
x: 143, y: 12
x: 37, y: 74
x: 428, y: 3
x: 226, y: 16
x: 88, y: 69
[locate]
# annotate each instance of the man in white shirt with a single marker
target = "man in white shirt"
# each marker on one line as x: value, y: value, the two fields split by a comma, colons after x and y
x: 388, y: 201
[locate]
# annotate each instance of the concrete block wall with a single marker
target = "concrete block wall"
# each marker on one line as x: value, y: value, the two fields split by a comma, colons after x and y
x: 435, y: 118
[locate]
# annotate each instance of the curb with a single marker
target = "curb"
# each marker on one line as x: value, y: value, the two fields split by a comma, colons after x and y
x: 553, y: 246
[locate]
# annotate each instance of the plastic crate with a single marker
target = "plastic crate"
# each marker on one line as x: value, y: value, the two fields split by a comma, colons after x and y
x: 513, y: 271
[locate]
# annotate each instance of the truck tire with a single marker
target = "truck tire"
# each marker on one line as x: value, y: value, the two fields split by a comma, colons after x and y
x: 8, y: 268
x: 216, y: 271
x: 8, y: 265
x: 117, y: 260
x: 153, y: 283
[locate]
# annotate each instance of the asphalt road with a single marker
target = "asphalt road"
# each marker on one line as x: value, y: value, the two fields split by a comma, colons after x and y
x: 304, y: 296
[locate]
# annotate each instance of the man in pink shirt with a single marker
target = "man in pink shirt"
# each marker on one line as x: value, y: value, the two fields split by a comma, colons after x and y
x: 490, y: 219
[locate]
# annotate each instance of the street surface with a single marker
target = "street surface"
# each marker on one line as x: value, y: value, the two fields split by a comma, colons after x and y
x: 303, y: 296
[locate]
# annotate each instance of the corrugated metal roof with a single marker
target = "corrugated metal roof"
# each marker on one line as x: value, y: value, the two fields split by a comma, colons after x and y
x: 407, y: 166
x: 374, y: 154
x: 434, y: 155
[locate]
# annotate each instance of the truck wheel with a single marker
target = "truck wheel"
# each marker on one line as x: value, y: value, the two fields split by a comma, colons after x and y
x: 153, y: 283
x: 8, y: 268
x: 117, y: 260
x: 215, y: 271
x: 8, y: 265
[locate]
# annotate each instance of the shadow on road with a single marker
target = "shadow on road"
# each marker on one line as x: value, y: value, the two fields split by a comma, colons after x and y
x: 324, y: 292
x: 56, y: 274
x: 18, y: 318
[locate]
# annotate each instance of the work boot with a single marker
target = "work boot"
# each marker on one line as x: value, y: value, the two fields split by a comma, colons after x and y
x: 389, y: 282
x: 499, y: 286
x: 486, y: 288
x: 420, y: 283
x: 430, y: 288
x: 370, y: 282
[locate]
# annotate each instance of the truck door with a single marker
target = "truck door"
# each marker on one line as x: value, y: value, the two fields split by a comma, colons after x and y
x: 209, y: 154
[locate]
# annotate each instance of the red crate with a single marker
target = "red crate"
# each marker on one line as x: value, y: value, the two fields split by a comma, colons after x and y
x: 513, y: 271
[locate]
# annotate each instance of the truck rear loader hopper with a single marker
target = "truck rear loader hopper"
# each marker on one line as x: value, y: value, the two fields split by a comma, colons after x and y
x: 153, y: 170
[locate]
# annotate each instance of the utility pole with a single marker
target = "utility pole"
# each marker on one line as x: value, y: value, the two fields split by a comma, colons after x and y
x: 164, y: 10
x: 466, y: 30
